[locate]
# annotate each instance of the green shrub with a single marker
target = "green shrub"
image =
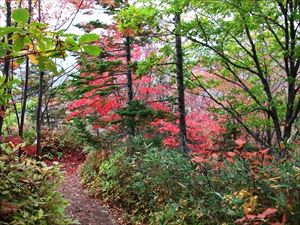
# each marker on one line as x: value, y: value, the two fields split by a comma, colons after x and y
x: 90, y: 169
x: 144, y: 182
x: 28, y: 192
x: 77, y: 132
x: 159, y: 186
x: 29, y: 136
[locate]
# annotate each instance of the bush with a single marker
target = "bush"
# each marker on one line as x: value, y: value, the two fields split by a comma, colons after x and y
x: 29, y: 136
x: 28, y: 192
x: 149, y: 181
x: 68, y: 137
x: 90, y: 169
x: 159, y: 186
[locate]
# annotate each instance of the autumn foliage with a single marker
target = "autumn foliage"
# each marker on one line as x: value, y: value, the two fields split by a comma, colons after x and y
x: 180, y: 112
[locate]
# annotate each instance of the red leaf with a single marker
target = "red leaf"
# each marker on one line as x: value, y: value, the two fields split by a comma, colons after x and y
x: 240, y: 143
x: 231, y: 154
x: 267, y: 212
x: 214, y: 155
x: 2, y: 114
x: 249, y: 217
x: 264, y: 152
x: 15, y: 140
x: 200, y: 159
x: 30, y: 149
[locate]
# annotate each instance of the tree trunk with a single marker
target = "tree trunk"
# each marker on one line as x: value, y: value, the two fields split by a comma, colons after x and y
x: 47, y: 117
x: 6, y: 68
x: 292, y: 64
x: 180, y: 86
x: 129, y: 81
x: 39, y: 115
x: 40, y: 103
x: 25, y: 91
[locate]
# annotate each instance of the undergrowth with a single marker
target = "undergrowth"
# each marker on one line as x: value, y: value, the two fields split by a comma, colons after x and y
x: 29, y: 191
x: 159, y: 186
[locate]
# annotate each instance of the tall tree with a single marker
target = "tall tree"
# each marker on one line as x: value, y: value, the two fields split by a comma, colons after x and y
x: 39, y: 114
x: 38, y: 44
x: 180, y: 84
x: 6, y: 70
x: 129, y: 80
x: 253, y: 47
x: 25, y: 89
x: 139, y: 18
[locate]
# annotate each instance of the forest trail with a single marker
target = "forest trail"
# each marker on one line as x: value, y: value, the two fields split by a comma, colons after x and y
x: 83, y: 208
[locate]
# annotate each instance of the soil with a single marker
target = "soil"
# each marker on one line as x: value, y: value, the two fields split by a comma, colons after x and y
x: 83, y: 208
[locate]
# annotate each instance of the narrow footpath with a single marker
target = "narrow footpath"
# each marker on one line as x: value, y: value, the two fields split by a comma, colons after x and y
x: 83, y: 208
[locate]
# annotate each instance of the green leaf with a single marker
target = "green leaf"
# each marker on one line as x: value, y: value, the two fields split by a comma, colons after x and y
x: 70, y: 41
x: 48, y: 64
x: 20, y: 61
x: 15, y: 81
x: 40, y: 213
x: 20, y: 15
x: 6, y: 30
x: 88, y: 38
x: 18, y: 44
x: 41, y: 45
x: 6, y: 192
x: 92, y: 49
x: 38, y: 25
x: 60, y: 32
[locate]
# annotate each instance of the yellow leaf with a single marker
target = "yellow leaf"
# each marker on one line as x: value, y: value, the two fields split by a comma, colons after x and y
x: 33, y: 59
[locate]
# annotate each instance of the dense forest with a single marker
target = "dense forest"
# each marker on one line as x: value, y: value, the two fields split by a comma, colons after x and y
x: 174, y: 112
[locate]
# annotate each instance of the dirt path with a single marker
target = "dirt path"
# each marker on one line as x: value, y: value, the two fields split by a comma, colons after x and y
x: 86, y: 210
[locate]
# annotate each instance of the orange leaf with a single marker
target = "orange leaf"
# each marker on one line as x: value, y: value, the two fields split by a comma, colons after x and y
x: 15, y: 65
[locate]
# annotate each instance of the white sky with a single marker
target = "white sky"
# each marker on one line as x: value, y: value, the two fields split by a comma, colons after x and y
x: 82, y: 17
x: 56, y: 12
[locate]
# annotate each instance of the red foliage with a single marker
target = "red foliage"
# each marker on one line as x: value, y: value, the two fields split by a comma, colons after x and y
x: 203, y: 130
x: 216, y: 159
x: 13, y: 140
x: 240, y: 143
x: 261, y: 218
x: 72, y: 160
x: 2, y: 113
x: 29, y: 150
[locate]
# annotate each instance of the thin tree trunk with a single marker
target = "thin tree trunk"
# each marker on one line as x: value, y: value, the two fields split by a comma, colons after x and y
x: 48, y: 117
x: 131, y: 130
x: 180, y: 87
x: 25, y: 91
x: 269, y: 134
x: 40, y: 103
x: 39, y: 114
x: 16, y: 112
x: 6, y: 68
x: 289, y: 111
